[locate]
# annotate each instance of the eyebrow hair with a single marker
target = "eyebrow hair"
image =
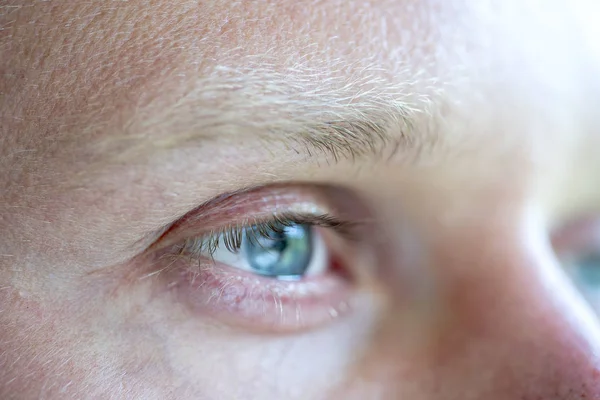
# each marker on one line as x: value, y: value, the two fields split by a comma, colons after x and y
x: 338, y: 117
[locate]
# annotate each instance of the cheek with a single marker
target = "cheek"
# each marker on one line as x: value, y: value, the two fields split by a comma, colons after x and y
x: 33, y: 346
x: 58, y: 350
x: 223, y: 362
x: 139, y: 342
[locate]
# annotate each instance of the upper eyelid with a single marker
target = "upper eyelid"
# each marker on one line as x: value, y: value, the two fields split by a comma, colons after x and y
x: 244, y: 208
x: 255, y: 198
x: 201, y: 242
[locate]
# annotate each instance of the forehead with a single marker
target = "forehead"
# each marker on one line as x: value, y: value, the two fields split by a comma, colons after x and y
x: 488, y: 81
x: 102, y: 68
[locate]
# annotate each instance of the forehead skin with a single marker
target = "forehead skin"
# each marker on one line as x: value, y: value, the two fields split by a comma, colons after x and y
x: 513, y: 83
x: 84, y: 69
x: 475, y: 77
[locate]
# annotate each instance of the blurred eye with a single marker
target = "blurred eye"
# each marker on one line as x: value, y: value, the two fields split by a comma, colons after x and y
x: 578, y: 247
x: 587, y: 271
x: 276, y: 250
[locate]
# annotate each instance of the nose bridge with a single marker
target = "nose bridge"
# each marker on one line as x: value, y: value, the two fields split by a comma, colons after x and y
x: 500, y: 321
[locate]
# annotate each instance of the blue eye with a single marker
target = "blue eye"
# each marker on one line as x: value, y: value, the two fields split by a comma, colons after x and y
x: 577, y: 246
x: 275, y: 250
x: 279, y: 251
x: 587, y: 271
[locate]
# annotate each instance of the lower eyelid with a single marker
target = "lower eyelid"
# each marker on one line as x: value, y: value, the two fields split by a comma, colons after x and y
x: 241, y: 299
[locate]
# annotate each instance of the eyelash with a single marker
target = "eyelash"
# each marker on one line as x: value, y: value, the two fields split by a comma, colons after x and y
x: 246, y: 300
x: 231, y: 236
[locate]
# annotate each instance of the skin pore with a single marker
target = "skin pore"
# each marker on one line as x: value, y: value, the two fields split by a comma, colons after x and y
x: 446, y: 142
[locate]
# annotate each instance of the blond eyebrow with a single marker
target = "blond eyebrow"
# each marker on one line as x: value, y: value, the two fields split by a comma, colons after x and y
x: 341, y: 118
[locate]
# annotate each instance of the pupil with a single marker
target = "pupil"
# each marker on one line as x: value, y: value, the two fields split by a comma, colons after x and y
x: 282, y: 252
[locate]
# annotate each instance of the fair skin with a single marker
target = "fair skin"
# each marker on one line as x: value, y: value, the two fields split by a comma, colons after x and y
x: 455, y: 142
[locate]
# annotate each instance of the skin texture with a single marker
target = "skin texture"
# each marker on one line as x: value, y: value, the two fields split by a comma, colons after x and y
x: 118, y: 118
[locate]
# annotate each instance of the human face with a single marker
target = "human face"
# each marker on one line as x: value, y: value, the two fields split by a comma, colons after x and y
x: 299, y: 200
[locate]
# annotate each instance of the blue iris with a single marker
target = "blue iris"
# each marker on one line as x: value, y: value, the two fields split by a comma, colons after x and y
x: 282, y: 251
x: 588, y: 271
